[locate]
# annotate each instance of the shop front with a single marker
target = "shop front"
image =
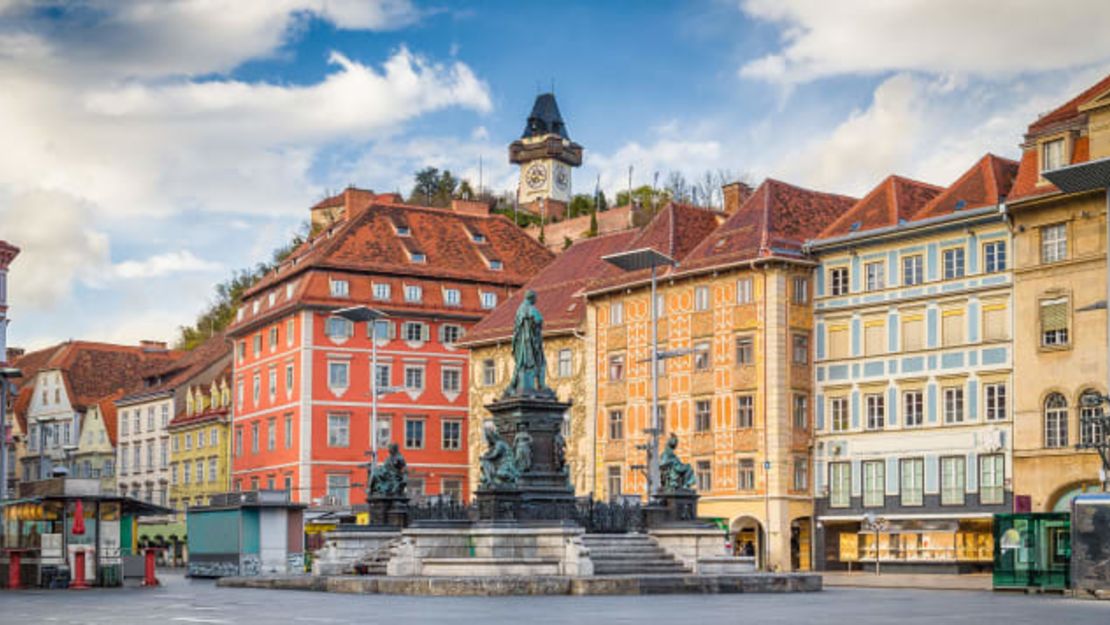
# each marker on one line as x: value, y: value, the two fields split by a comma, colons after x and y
x: 935, y: 545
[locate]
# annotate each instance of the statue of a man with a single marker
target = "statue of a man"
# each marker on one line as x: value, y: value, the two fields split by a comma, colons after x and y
x: 498, y: 463
x: 531, y: 365
x: 391, y: 476
x: 674, y: 473
x: 522, y: 450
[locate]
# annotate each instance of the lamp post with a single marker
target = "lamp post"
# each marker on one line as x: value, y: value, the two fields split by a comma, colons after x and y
x: 6, y: 373
x: 371, y: 317
x: 635, y: 260
x: 876, y: 524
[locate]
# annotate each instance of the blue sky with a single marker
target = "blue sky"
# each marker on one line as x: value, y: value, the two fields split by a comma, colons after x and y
x: 154, y: 146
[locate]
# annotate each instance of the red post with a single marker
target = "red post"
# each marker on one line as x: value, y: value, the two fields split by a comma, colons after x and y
x: 79, y: 582
x: 148, y: 578
x: 14, y: 562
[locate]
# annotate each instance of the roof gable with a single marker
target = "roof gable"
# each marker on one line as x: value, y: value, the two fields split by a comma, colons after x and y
x: 892, y: 201
x: 1070, y: 109
x: 986, y: 183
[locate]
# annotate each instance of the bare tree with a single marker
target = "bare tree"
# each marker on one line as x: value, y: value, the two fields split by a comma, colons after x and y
x: 677, y: 187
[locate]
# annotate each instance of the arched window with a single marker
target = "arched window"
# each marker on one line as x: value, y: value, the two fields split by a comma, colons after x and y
x: 1055, y: 421
x: 1090, y: 406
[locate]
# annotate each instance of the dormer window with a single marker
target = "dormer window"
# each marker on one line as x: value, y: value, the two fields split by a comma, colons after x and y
x: 339, y: 288
x: 382, y: 291
x: 254, y: 307
x: 272, y: 298
x: 402, y: 229
x: 489, y: 300
x: 418, y: 257
x: 478, y: 237
x: 289, y: 291
x: 495, y: 265
x: 452, y: 297
x: 413, y: 293
x: 1052, y: 154
x: 239, y: 315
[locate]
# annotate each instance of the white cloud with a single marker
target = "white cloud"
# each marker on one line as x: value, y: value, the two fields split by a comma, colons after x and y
x: 981, y: 37
x: 162, y: 265
x: 691, y: 156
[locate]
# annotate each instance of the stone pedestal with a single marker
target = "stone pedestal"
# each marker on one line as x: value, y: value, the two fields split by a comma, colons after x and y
x: 347, y: 546
x: 498, y: 505
x: 491, y: 551
x: 388, y: 511
x: 671, y: 508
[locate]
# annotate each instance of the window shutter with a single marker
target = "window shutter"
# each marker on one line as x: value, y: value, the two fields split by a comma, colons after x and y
x: 425, y: 331
x: 391, y: 330
x: 1054, y: 315
x: 441, y: 332
x: 994, y: 322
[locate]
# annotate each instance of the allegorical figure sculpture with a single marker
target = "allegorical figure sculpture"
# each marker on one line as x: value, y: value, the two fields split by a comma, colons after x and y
x: 498, y: 463
x: 522, y: 450
x: 675, y: 474
x: 530, y: 363
x: 390, y: 478
x: 559, y: 452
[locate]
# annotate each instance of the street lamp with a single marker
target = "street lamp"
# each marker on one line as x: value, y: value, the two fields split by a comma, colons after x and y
x: 372, y: 317
x: 635, y: 260
x: 6, y: 373
x: 876, y: 524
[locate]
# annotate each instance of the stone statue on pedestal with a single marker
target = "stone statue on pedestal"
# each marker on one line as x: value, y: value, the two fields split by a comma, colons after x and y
x: 522, y: 450
x: 674, y: 473
x: 498, y: 463
x: 390, y: 478
x: 530, y: 364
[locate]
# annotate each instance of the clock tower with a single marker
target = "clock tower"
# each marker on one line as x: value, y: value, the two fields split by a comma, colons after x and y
x: 546, y: 155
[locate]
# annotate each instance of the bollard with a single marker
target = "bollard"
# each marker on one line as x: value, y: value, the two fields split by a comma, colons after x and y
x: 14, y: 562
x: 148, y: 572
x: 79, y: 582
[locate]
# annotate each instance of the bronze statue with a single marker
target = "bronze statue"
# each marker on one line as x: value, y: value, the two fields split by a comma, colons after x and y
x: 559, y: 452
x: 675, y: 474
x: 530, y: 367
x: 522, y: 450
x: 498, y: 463
x: 390, y: 478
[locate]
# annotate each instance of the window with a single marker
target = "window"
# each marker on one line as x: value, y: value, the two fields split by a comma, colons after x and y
x: 616, y: 367
x: 801, y: 473
x: 452, y: 489
x: 874, y: 484
x: 452, y: 434
x: 613, y: 481
x: 413, y: 293
x: 1054, y: 322
x: 214, y: 439
x: 290, y: 324
x: 489, y: 300
x: 954, y: 263
x: 238, y: 441
x: 242, y: 351
x: 874, y: 337
x: 745, y: 474
x: 239, y: 394
x: 701, y: 298
x: 952, y: 480
x: 745, y: 411
x: 701, y: 356
x: 188, y: 441
x: 255, y: 440
x: 913, y: 408
x: 913, y: 481
x: 418, y: 257
x: 1090, y: 407
x: 200, y: 471
x: 875, y: 276
x: 452, y: 297
x: 995, y: 398
x: 163, y: 454
x: 913, y: 270
x: 176, y: 444
x: 149, y: 420
x: 838, y: 412
x: 380, y: 330
x: 1052, y: 155
x: 952, y: 327
x: 838, y: 281
x: 704, y: 473
x: 564, y: 368
x: 338, y: 374
x: 382, y: 291
x: 271, y: 434
x: 1054, y: 243
x: 954, y: 405
x: 273, y: 383
x: 616, y: 313
x: 489, y: 372
x: 288, y: 431
x: 186, y: 472
x: 995, y: 321
x: 876, y: 411
x: 452, y: 380
x: 122, y: 425
x: 616, y: 425
x: 288, y: 483
x: 745, y: 352
x: 744, y: 291
x: 338, y: 488
x: 165, y: 415
x: 288, y: 378
x: 339, y: 430
x: 800, y: 292
x: 257, y: 341
x: 414, y: 433
x: 402, y: 229
x: 338, y: 328
x: 994, y: 256
x: 173, y: 474
x: 1055, y: 421
x: 840, y: 484
x: 913, y: 331
x: 385, y: 431
x: 414, y: 378
x: 801, y: 412
x: 449, y: 333
x: 992, y: 471
x: 838, y: 341
x: 414, y: 331
x: 801, y: 349
x: 273, y: 338
x: 339, y: 288
x: 702, y: 416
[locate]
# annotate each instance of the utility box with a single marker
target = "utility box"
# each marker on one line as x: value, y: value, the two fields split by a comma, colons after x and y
x: 1090, y: 540
x: 243, y: 534
x: 1032, y: 551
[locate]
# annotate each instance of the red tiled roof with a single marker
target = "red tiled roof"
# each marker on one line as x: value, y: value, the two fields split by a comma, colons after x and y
x: 189, y: 364
x: 987, y: 183
x: 182, y: 418
x: 110, y: 416
x: 774, y: 221
x: 558, y: 287
x: 894, y: 200
x: 1069, y: 109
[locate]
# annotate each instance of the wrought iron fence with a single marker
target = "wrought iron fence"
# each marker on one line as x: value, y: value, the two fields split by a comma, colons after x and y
x: 614, y: 517
x: 600, y: 517
x: 443, y: 510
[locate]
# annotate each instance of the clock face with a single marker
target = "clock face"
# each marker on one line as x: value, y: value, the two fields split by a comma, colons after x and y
x: 536, y: 176
x: 562, y: 177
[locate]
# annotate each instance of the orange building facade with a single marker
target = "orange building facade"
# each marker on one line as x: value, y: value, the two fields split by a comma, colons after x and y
x: 303, y: 375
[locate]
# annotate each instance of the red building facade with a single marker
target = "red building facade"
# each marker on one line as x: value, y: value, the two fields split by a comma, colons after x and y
x: 303, y: 375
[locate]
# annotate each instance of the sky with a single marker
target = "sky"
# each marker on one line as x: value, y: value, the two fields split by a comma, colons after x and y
x: 152, y: 147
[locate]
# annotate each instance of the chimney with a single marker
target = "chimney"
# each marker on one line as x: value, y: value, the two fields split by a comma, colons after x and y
x: 153, y: 346
x: 14, y: 353
x: 470, y: 207
x: 735, y: 194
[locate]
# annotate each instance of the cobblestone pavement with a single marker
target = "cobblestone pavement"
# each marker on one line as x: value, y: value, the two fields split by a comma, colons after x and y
x: 196, y: 601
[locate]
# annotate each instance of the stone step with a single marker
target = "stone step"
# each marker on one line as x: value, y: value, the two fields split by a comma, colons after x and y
x: 654, y: 557
x: 609, y: 569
